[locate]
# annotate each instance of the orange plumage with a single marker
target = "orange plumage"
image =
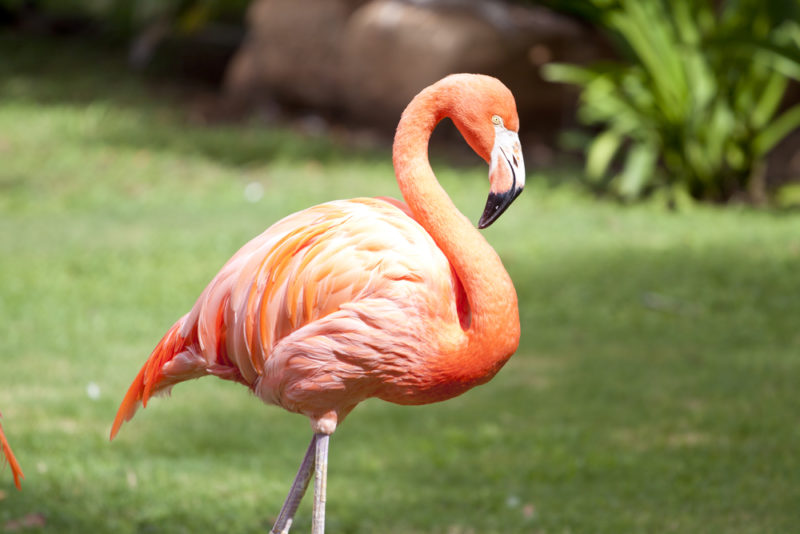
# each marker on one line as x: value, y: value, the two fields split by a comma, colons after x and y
x: 8, y: 454
x: 365, y: 297
x: 321, y: 291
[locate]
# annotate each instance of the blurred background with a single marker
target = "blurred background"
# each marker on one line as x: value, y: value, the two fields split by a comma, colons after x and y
x: 656, y: 254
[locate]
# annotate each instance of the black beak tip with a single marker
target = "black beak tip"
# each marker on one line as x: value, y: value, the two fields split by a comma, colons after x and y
x: 495, y: 206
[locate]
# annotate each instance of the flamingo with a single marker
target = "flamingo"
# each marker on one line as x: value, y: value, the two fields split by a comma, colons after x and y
x: 367, y: 297
x: 16, y: 470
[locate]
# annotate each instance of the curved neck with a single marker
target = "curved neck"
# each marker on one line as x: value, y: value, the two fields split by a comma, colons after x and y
x: 493, y: 332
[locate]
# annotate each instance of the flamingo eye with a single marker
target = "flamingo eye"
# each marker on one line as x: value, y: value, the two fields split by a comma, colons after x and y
x: 497, y: 120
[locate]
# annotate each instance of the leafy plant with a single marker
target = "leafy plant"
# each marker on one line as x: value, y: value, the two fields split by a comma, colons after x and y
x: 698, y: 106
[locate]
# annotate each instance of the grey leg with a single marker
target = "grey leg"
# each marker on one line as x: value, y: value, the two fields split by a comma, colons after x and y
x: 284, y: 521
x: 320, y: 483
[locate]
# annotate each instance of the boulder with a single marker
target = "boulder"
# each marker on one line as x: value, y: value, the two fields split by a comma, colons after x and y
x: 292, y: 53
x: 365, y: 60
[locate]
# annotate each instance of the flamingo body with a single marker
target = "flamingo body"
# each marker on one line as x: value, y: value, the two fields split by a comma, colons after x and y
x: 365, y: 297
x: 307, y: 313
x: 8, y: 454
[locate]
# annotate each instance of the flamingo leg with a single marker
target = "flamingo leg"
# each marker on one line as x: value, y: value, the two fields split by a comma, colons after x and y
x: 320, y: 484
x: 299, y: 486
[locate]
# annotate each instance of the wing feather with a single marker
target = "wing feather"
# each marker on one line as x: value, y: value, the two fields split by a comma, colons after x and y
x: 8, y: 455
x: 313, y: 264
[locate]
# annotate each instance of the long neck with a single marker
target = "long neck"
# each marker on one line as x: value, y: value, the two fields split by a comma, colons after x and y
x: 493, y: 332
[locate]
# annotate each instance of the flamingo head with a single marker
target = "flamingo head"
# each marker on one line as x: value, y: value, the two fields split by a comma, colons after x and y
x: 484, y: 111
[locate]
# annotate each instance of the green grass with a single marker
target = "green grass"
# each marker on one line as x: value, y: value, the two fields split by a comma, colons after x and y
x: 655, y: 389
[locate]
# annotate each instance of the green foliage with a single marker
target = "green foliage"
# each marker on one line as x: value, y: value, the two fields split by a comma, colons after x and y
x: 698, y: 105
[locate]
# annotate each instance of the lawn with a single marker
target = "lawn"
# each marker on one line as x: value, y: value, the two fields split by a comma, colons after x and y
x: 655, y: 388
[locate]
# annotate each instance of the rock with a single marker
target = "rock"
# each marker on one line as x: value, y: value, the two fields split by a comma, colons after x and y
x: 393, y: 49
x: 366, y: 60
x: 292, y: 53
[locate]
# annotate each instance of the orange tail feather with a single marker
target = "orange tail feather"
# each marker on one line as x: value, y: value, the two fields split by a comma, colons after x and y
x: 16, y: 470
x: 151, y: 378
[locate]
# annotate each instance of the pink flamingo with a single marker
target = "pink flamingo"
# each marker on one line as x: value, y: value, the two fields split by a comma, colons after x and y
x: 367, y: 297
x: 16, y: 470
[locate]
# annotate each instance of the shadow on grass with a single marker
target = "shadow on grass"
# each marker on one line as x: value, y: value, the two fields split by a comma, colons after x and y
x: 674, y: 374
x: 657, y: 412
x: 738, y: 292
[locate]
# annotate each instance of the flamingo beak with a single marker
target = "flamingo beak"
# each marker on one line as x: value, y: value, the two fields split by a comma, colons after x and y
x: 506, y: 175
